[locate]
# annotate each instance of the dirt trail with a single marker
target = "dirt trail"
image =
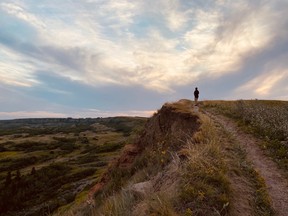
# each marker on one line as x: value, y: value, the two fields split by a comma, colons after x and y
x: 277, y: 184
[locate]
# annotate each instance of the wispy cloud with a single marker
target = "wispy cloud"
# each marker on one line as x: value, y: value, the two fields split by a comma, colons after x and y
x: 35, y: 114
x: 220, y: 41
x: 264, y: 84
x: 269, y: 83
x: 78, y: 114
x: 158, y: 46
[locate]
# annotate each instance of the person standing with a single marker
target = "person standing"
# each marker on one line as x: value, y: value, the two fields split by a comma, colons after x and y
x: 196, y: 96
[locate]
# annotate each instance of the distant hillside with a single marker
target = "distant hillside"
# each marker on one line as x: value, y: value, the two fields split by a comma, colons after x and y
x: 51, y: 125
x: 46, y: 164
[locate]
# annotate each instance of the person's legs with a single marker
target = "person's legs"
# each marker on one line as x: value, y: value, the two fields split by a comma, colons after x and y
x: 196, y: 100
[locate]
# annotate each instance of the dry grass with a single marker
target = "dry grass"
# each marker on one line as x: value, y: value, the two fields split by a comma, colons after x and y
x: 205, y: 186
x: 182, y: 106
x: 119, y: 204
x: 239, y: 167
x: 260, y: 201
x: 121, y: 200
x: 161, y: 205
x: 116, y: 197
x: 266, y: 119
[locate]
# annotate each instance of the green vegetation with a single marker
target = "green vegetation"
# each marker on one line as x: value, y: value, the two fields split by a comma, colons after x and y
x: 46, y: 163
x: 266, y: 119
x: 107, y: 147
x: 125, y: 125
x: 33, y: 127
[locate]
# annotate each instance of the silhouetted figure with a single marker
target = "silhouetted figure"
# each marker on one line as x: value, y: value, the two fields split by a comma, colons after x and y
x: 196, y: 96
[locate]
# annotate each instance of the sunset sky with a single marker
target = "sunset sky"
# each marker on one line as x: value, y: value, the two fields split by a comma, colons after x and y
x: 90, y: 58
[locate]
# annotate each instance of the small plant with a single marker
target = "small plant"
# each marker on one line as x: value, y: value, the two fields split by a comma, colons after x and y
x: 161, y: 205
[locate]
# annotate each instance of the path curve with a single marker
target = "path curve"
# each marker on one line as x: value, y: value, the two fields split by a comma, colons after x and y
x: 277, y: 184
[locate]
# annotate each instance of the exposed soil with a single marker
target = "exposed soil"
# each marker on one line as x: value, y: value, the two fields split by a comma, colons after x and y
x: 123, y: 162
x: 277, y: 184
x: 242, y: 194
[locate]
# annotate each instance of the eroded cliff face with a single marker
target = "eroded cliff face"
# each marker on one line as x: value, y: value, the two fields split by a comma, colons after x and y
x: 171, y: 126
x: 168, y: 129
x: 174, y: 123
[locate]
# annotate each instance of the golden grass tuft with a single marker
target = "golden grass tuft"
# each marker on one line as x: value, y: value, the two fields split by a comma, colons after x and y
x: 205, y: 186
x: 182, y: 106
x: 118, y: 204
x: 161, y: 205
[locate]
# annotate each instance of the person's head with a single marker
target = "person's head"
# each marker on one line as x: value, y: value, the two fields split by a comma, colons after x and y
x: 196, y: 88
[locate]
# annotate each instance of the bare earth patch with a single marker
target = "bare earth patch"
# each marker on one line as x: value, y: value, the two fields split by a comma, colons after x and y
x: 277, y: 184
x: 241, y: 204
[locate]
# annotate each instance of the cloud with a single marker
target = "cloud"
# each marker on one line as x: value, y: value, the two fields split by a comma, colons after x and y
x: 264, y: 84
x: 14, y: 70
x: 172, y: 12
x: 109, y: 63
x: 77, y: 101
x: 19, y: 12
x: 78, y: 114
x: 221, y: 41
x: 35, y: 114
x: 93, y: 50
x: 120, y: 12
x: 157, y: 49
x: 270, y: 83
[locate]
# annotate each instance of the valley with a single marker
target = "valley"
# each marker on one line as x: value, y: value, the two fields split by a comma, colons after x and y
x: 48, y: 164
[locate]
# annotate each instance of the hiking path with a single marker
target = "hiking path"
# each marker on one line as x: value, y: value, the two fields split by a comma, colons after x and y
x: 277, y: 184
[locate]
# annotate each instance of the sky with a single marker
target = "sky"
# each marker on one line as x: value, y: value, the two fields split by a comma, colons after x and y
x: 98, y: 58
